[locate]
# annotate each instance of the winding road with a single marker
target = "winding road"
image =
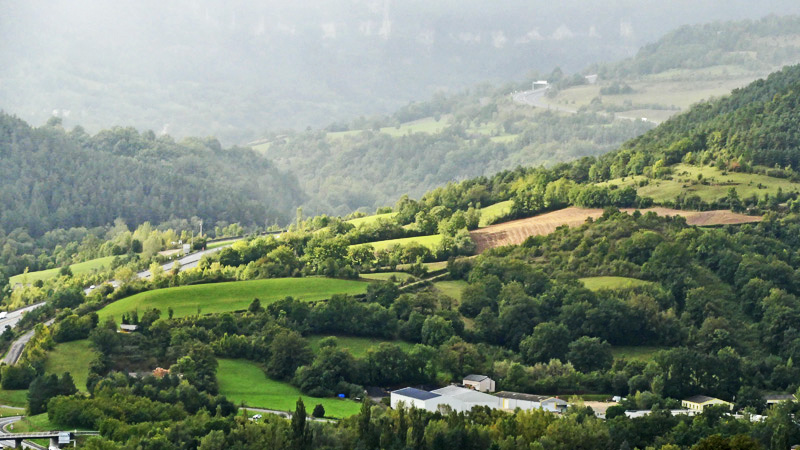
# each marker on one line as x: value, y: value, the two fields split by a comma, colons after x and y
x: 15, y: 351
x: 189, y: 261
x: 4, y: 424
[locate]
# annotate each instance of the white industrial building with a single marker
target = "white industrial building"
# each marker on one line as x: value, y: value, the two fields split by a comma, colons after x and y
x: 460, y: 399
x: 514, y: 400
x: 414, y: 398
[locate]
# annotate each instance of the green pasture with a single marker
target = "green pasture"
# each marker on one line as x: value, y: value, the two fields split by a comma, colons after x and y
x: 452, y: 289
x: 18, y: 397
x: 428, y: 241
x: 384, y: 276
x: 371, y: 219
x: 432, y: 266
x: 598, y: 283
x: 491, y: 212
x: 244, y: 382
x: 685, y: 180
x: 636, y: 353
x: 231, y: 296
x: 73, y: 357
x: 77, y: 269
x: 426, y: 125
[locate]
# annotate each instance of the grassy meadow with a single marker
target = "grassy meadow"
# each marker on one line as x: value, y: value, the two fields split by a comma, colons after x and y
x: 358, y: 346
x: 428, y: 241
x: 673, y: 91
x: 598, y: 283
x: 384, y: 276
x: 452, y: 289
x: 231, y: 296
x: 685, y: 180
x: 73, y: 357
x: 244, y: 382
x: 18, y: 398
x: 489, y: 213
x: 636, y: 353
x: 77, y: 269
x: 371, y: 219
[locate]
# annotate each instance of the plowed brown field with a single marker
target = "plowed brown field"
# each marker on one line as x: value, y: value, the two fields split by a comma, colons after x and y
x: 516, y: 231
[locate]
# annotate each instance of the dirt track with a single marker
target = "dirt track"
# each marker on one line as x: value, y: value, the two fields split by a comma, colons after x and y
x: 516, y: 231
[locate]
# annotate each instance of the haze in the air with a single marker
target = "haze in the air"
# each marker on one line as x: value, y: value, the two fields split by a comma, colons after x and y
x: 235, y: 69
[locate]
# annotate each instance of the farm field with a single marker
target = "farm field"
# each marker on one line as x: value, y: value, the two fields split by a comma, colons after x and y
x: 371, y: 219
x: 598, y: 283
x: 452, y: 289
x: 673, y: 91
x: 516, y: 231
x: 244, y: 382
x: 428, y: 241
x: 73, y: 357
x: 77, y: 269
x: 431, y: 266
x: 426, y: 125
x: 491, y: 212
x: 358, y: 346
x: 685, y: 179
x: 231, y: 296
x: 636, y: 353
x: 384, y: 276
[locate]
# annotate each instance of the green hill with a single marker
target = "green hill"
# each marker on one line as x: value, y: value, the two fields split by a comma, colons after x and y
x: 52, y: 178
x: 752, y: 126
x: 231, y: 296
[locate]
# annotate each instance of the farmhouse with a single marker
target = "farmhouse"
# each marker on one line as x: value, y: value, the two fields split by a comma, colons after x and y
x: 514, y: 400
x: 700, y: 402
x: 479, y: 383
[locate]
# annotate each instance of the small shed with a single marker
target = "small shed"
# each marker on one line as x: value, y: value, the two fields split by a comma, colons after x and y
x: 480, y: 383
x: 128, y: 328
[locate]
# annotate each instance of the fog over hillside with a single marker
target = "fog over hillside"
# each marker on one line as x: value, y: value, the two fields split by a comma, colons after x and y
x: 235, y: 69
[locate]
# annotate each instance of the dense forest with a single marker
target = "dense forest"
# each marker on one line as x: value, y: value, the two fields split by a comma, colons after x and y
x: 53, y: 178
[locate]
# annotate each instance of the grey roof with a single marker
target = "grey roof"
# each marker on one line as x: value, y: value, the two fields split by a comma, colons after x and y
x: 465, y: 395
x: 555, y: 400
x: 473, y: 377
x: 418, y: 394
x: 521, y: 396
x: 778, y: 397
x: 699, y: 399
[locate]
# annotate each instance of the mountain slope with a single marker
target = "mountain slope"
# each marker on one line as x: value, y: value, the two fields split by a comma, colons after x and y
x: 755, y: 125
x: 53, y: 179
